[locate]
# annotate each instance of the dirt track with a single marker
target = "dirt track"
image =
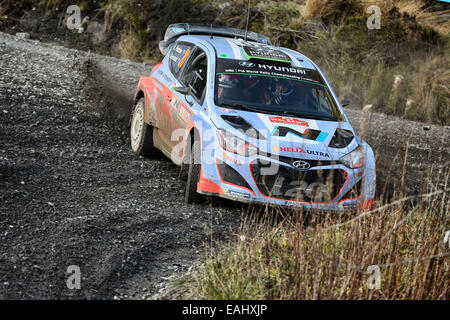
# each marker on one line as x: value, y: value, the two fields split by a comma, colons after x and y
x: 72, y: 192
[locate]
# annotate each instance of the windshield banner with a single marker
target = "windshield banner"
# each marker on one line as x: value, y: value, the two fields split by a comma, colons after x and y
x: 229, y: 66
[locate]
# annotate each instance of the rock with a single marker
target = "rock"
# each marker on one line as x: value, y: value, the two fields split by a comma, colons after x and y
x: 398, y: 78
x: 95, y: 30
x: 23, y: 35
x: 223, y: 6
x: 367, y: 107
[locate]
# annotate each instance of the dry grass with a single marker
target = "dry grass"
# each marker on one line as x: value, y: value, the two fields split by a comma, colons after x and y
x: 334, y: 9
x: 426, y: 16
x: 430, y: 92
x: 279, y: 254
x: 296, y: 256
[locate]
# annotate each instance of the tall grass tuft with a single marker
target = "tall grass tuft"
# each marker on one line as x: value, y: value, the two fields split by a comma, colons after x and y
x: 298, y: 255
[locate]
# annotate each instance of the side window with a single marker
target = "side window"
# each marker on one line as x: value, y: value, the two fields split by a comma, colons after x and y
x: 178, y: 57
x: 195, y: 74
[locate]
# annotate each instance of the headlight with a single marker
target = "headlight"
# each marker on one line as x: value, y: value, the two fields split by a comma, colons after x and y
x: 354, y: 159
x: 230, y: 142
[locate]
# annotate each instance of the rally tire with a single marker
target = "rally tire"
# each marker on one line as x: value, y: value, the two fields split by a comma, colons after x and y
x: 184, y: 168
x: 193, y: 175
x: 141, y: 133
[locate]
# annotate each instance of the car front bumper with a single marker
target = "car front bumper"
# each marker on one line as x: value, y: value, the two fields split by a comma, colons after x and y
x: 327, y: 185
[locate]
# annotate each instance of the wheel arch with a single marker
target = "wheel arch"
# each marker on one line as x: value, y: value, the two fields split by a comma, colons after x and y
x: 139, y: 94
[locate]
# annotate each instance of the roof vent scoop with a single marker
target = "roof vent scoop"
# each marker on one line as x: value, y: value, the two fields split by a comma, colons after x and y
x: 179, y: 29
x: 341, y: 139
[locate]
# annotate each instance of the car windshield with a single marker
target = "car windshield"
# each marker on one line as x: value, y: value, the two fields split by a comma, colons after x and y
x: 274, y: 89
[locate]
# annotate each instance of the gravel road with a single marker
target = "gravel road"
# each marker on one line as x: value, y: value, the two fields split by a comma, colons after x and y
x: 72, y: 192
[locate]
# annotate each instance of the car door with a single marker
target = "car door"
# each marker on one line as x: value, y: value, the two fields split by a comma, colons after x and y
x: 181, y: 106
x: 169, y: 106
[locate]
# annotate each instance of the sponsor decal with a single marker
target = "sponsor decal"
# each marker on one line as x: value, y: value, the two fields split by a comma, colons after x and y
x: 163, y: 75
x: 226, y: 66
x: 272, y: 67
x: 300, y: 150
x: 236, y: 194
x: 226, y: 110
x: 288, y: 149
x: 231, y: 159
x: 309, y: 134
x: 175, y: 103
x: 183, y: 58
x: 173, y: 57
x: 322, y: 137
x: 318, y: 153
x: 349, y: 204
x: 292, y: 121
x: 254, y: 52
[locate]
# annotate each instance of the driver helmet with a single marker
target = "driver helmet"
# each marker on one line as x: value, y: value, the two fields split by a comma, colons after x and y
x: 281, y: 96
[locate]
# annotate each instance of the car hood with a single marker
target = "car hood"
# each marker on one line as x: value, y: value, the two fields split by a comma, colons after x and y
x: 287, y: 136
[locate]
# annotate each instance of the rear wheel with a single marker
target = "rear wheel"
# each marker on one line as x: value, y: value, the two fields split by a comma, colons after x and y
x: 193, y: 174
x: 141, y: 133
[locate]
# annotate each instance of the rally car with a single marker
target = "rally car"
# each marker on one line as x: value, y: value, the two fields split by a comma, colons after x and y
x: 250, y: 121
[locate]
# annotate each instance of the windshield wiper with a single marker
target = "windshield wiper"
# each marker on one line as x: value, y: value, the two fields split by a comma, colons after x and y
x: 242, y: 107
x: 307, y: 116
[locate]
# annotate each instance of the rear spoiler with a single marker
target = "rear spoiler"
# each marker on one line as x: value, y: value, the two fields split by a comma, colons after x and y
x: 179, y: 29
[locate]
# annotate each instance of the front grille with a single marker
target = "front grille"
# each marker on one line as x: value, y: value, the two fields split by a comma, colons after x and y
x: 293, y: 184
x: 312, y: 163
x: 290, y: 160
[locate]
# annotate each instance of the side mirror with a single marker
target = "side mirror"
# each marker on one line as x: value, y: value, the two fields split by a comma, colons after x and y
x: 345, y: 103
x: 183, y: 90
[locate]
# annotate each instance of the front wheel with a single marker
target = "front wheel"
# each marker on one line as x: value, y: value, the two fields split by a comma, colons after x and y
x: 141, y: 133
x: 193, y: 176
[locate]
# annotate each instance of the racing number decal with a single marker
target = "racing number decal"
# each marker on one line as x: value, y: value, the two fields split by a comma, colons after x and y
x: 183, y: 113
x: 175, y: 103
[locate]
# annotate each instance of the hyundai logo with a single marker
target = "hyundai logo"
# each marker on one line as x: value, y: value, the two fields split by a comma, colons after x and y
x: 247, y: 64
x: 301, y: 165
